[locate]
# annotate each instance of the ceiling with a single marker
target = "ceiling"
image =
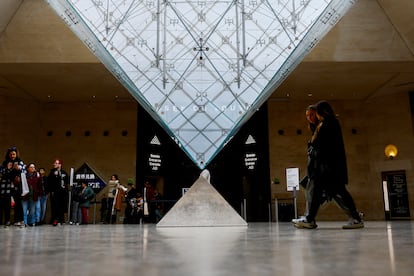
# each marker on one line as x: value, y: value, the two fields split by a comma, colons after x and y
x: 320, y: 80
x: 349, y: 70
x: 57, y: 82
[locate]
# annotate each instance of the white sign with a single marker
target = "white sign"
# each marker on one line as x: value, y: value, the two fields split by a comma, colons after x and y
x: 154, y: 161
x: 250, y: 160
x: 292, y: 178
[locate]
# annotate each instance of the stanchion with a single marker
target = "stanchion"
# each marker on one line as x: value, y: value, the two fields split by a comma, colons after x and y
x: 294, y: 202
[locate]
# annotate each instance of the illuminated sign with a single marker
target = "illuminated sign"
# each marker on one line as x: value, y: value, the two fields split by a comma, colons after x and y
x: 154, y: 159
x: 250, y: 160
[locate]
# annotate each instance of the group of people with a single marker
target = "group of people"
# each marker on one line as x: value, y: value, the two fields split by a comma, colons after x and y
x: 27, y: 189
x: 327, y: 174
x: 139, y: 207
x: 112, y: 204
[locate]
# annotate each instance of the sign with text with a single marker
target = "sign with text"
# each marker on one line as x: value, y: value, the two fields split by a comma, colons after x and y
x: 250, y: 156
x: 396, y: 194
x: 154, y: 161
x: 85, y: 174
x: 292, y: 178
x: 250, y: 160
x: 154, y: 158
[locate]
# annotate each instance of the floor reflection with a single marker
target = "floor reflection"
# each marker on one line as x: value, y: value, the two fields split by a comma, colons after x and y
x: 381, y: 248
x: 204, y: 250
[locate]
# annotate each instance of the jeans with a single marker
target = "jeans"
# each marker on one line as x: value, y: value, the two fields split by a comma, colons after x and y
x: 34, y: 212
x: 309, y: 190
x: 43, y: 205
x: 75, y: 214
x: 31, y: 211
x: 26, y: 210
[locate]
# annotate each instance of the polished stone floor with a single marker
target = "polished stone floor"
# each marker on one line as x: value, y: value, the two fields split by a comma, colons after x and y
x: 381, y: 248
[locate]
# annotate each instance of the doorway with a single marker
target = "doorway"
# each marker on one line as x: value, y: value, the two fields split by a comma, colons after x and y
x: 394, y: 186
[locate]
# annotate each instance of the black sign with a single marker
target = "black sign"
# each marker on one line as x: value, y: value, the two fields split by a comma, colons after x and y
x: 397, y: 194
x: 87, y: 175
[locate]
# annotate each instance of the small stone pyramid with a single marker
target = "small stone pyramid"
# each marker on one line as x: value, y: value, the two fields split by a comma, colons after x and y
x: 202, y: 205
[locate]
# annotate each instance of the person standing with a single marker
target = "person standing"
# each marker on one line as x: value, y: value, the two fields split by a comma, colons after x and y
x: 118, y: 200
x: 75, y: 210
x: 43, y: 195
x: 87, y: 194
x: 329, y: 169
x: 149, y: 202
x: 111, y: 189
x: 115, y: 193
x: 131, y: 197
x: 12, y: 160
x: 30, y: 201
x: 57, y: 181
x: 5, y: 194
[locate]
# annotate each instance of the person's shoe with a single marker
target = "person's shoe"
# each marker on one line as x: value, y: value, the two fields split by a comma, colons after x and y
x: 353, y: 224
x: 55, y: 223
x: 304, y: 223
x: 7, y: 224
x: 296, y: 220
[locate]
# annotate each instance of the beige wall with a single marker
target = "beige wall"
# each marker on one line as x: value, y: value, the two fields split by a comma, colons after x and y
x: 25, y: 124
x: 378, y: 122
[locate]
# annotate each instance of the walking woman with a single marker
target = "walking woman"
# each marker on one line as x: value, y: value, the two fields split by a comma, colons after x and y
x: 328, y: 162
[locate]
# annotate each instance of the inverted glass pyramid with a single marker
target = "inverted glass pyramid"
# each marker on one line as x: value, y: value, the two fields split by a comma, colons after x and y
x: 201, y: 68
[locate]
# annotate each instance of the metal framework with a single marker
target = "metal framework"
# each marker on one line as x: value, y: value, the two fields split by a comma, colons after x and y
x: 201, y: 68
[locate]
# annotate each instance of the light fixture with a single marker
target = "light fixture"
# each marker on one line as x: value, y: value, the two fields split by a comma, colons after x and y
x: 391, y: 151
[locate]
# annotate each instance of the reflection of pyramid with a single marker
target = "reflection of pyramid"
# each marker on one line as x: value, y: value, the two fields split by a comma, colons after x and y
x: 202, y: 205
x: 223, y: 241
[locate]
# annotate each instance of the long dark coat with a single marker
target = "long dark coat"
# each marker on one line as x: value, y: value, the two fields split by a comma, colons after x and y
x: 327, y: 152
